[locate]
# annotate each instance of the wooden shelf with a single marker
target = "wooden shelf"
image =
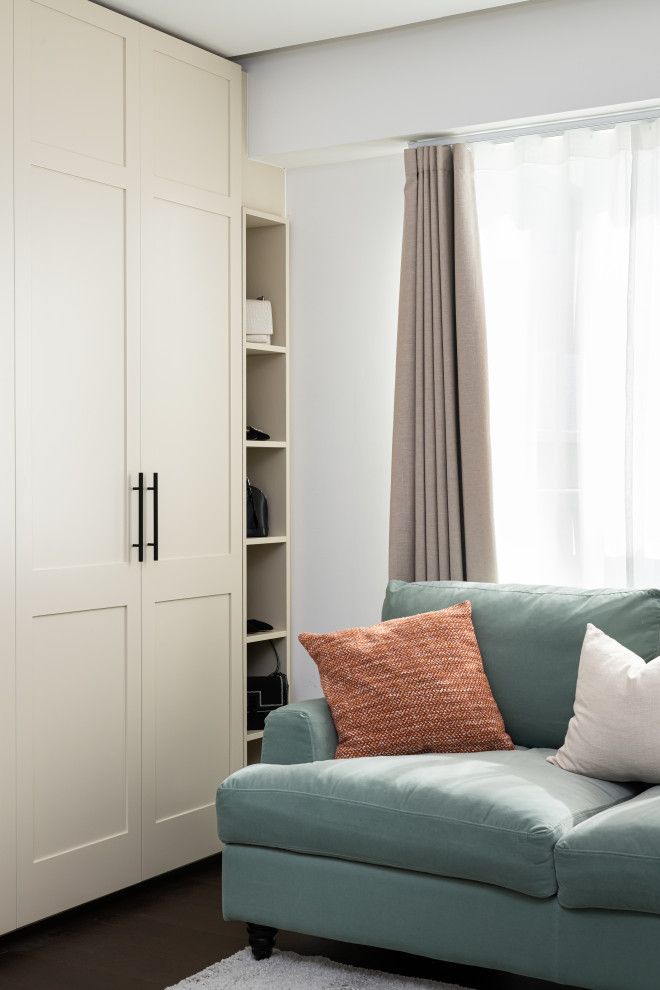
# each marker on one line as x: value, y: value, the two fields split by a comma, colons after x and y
x: 254, y: 444
x: 262, y: 541
x: 254, y: 734
x: 257, y: 218
x: 265, y: 636
x: 264, y: 349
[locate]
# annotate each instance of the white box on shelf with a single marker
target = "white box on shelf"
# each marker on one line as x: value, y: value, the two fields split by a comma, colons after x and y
x: 258, y: 319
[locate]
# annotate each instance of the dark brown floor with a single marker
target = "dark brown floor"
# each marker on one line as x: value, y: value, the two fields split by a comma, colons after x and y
x: 151, y: 936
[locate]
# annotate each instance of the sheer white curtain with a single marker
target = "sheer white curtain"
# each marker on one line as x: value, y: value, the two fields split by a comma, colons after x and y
x: 570, y: 239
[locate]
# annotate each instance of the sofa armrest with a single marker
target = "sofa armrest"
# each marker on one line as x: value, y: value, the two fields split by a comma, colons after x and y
x: 302, y: 732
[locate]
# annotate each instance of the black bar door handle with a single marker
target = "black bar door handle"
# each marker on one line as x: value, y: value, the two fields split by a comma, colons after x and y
x: 154, y: 488
x: 140, y: 490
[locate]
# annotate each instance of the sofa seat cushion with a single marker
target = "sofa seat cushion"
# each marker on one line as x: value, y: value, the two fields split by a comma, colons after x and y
x: 613, y: 859
x: 492, y: 816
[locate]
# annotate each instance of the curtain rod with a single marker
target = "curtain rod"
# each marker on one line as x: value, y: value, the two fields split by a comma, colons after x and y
x: 509, y: 133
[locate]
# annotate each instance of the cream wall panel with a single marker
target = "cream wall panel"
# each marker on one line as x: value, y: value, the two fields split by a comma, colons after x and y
x: 78, y: 449
x: 7, y: 597
x: 79, y: 729
x: 193, y: 640
x: 263, y: 185
x: 78, y: 84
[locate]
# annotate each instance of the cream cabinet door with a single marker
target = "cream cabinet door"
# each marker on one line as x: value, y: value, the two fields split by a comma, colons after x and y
x: 128, y: 362
x: 77, y: 419
x: 7, y: 722
x: 191, y: 437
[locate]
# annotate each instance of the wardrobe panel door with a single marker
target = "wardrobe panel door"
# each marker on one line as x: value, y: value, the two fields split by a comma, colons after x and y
x: 79, y: 729
x: 77, y: 382
x: 7, y: 597
x: 186, y: 149
x: 191, y: 681
x: 77, y: 422
x: 188, y: 376
x: 78, y: 83
x: 191, y: 425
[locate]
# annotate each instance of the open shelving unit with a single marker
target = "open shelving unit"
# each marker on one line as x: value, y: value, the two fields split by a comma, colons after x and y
x: 266, y: 462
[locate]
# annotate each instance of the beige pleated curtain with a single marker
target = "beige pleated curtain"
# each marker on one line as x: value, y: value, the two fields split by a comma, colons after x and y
x: 441, y: 515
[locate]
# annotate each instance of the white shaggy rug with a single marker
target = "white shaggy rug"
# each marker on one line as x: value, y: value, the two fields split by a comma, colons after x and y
x: 289, y: 971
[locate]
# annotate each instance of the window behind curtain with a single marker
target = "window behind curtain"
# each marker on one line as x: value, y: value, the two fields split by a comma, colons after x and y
x: 570, y: 239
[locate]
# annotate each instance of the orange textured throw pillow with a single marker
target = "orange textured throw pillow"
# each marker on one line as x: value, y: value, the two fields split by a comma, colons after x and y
x: 410, y: 685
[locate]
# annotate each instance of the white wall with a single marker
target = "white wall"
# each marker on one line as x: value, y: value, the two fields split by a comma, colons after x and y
x: 333, y: 101
x: 527, y: 60
x: 346, y: 224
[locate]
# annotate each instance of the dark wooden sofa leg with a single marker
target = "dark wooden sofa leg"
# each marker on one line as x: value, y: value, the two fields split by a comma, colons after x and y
x: 262, y: 940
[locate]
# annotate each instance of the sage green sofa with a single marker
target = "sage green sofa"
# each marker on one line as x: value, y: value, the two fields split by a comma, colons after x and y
x: 495, y: 859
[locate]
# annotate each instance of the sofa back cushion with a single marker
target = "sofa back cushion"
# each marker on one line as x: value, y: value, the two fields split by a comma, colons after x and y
x: 530, y: 638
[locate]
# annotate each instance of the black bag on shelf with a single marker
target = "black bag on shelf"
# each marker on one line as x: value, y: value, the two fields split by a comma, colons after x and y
x: 265, y: 694
x: 256, y: 512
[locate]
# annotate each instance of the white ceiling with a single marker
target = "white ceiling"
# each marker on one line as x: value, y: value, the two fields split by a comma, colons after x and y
x: 241, y: 27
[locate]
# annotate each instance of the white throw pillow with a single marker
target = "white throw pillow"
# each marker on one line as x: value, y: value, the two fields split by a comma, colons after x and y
x: 615, y: 731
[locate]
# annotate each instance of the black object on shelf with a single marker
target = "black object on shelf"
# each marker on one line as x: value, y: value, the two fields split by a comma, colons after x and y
x: 256, y: 514
x: 265, y: 694
x: 257, y: 625
x: 252, y: 433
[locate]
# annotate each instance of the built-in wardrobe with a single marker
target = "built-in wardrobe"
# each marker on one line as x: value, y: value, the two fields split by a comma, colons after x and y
x: 121, y: 449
